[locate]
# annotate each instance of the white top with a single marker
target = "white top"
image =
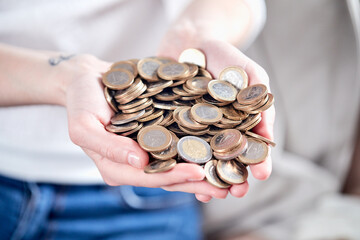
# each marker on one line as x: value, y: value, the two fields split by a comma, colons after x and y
x: 34, y: 140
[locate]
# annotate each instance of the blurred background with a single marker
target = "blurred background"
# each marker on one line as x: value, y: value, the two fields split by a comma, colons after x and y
x: 310, y: 49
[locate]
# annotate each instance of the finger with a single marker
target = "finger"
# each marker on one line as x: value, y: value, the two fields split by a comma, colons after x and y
x: 203, y: 198
x: 262, y: 171
x: 116, y: 174
x: 88, y: 132
x: 199, y: 187
x: 239, y: 190
x: 266, y: 126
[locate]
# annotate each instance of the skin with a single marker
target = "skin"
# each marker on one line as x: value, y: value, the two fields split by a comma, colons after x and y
x: 88, y: 112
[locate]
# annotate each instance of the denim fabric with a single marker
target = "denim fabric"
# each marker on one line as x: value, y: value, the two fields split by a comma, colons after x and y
x: 47, y: 211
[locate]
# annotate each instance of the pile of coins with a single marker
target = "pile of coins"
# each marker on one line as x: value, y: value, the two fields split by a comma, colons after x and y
x: 178, y: 113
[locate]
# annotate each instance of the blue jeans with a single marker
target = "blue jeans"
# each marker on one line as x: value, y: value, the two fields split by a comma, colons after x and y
x: 48, y: 211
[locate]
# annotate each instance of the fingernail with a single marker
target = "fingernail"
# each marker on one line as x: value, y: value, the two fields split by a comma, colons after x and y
x: 134, y: 160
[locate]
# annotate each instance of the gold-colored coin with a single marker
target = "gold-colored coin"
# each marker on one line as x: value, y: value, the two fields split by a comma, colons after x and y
x: 211, y: 175
x: 164, y: 105
x: 118, y: 79
x: 226, y: 140
x: 133, y: 103
x: 132, y: 131
x: 167, y: 117
x: 214, y: 130
x: 178, y: 82
x: 154, y: 138
x: 236, y: 76
x: 147, y: 69
x: 204, y: 73
x: 231, y: 172
x: 168, y: 153
x: 150, y: 94
x: 190, y: 98
x: 207, y: 98
x: 194, y: 56
x: 264, y: 139
x: 251, y: 94
x: 251, y: 126
x: 148, y: 103
x: 250, y: 122
x: 186, y: 121
x: 222, y: 91
x: 205, y: 113
x: 256, y: 152
x: 127, y: 65
x: 179, y: 90
x: 193, y: 92
x: 198, y: 84
x: 229, y: 122
x: 110, y: 100
x: 231, y: 113
x: 193, y: 70
x: 134, y: 95
x: 153, y: 122
x: 194, y: 132
x: 173, y: 71
x: 156, y: 114
x: 148, y: 111
x: 122, y: 118
x: 267, y: 105
x: 194, y: 150
x: 233, y: 153
x: 167, y: 95
x: 120, y: 94
x: 159, y: 166
x: 122, y: 128
x: 156, y: 86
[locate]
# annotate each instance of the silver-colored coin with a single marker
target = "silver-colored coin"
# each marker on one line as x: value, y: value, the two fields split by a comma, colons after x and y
x: 222, y: 91
x: 194, y: 150
x: 211, y: 175
x: 236, y: 76
x: 148, y: 67
x: 256, y: 152
x: 206, y: 113
x: 231, y: 172
x: 154, y: 138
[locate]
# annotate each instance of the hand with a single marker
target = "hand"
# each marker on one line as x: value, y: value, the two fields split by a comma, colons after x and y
x: 219, y: 55
x: 120, y: 160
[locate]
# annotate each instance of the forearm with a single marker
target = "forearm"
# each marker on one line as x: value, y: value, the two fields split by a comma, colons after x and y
x: 28, y: 78
x: 230, y: 21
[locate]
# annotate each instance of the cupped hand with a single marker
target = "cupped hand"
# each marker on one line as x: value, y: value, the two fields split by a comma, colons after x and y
x: 220, y: 54
x: 120, y: 160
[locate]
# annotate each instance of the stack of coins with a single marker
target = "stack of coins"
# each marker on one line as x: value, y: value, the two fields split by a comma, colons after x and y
x: 177, y: 112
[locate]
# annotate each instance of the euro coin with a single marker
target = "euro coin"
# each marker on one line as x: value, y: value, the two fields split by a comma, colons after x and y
x: 205, y: 113
x: 160, y: 166
x: 251, y: 94
x: 194, y: 56
x: 173, y: 71
x: 154, y: 138
x: 168, y: 153
x: 256, y: 152
x: 211, y: 175
x: 231, y: 172
x: 122, y: 118
x: 118, y: 79
x: 226, y: 140
x: 194, y: 150
x: 236, y: 76
x: 147, y: 69
x: 222, y: 91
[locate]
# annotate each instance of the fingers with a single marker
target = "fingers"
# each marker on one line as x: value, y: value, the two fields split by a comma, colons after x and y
x: 262, y: 171
x: 199, y: 187
x: 266, y: 126
x: 116, y: 174
x: 203, y: 198
x: 239, y: 190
